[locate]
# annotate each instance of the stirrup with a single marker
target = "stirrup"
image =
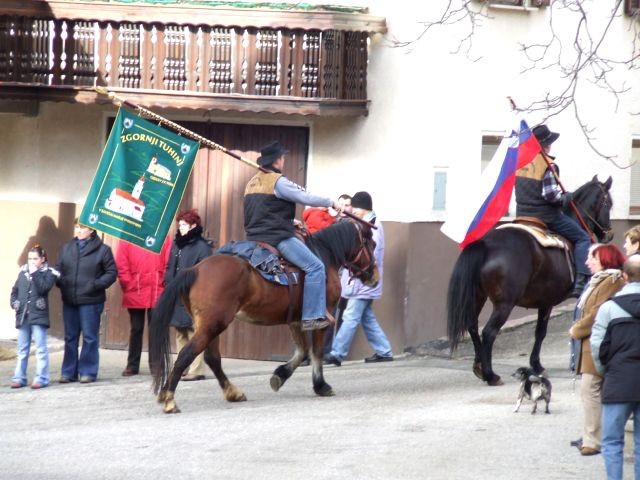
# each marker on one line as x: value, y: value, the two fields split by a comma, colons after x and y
x: 317, y: 324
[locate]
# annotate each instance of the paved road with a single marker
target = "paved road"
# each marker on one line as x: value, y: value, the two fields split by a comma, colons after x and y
x: 415, y: 418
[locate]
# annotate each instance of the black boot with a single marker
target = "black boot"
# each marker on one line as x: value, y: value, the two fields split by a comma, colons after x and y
x: 581, y: 281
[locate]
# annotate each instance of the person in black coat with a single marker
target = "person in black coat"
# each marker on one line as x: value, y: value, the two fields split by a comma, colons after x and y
x: 30, y: 300
x: 188, y: 249
x: 87, y: 268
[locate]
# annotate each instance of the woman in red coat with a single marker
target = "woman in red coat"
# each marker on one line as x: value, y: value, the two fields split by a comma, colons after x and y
x: 140, y: 273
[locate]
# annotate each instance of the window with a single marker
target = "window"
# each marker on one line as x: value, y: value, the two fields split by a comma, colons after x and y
x: 439, y: 190
x: 519, y: 3
x: 489, y: 146
x: 634, y: 192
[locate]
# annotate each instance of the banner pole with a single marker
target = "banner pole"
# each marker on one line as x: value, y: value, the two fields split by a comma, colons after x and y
x: 178, y: 128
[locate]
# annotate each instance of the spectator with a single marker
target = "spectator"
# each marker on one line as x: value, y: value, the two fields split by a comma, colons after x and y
x: 360, y: 297
x: 30, y: 300
x: 632, y: 240
x: 87, y: 269
x: 188, y: 249
x: 141, y: 274
x: 605, y: 263
x: 615, y: 346
x: 317, y: 218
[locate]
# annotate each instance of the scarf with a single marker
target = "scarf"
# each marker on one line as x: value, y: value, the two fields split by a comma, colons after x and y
x: 182, y: 240
x: 597, y: 279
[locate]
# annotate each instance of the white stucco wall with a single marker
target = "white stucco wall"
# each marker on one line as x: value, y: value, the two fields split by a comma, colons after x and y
x: 429, y: 109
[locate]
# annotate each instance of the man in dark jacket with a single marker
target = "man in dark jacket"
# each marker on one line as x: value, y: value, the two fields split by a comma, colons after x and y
x: 87, y: 268
x: 539, y: 195
x: 269, y: 209
x: 615, y: 346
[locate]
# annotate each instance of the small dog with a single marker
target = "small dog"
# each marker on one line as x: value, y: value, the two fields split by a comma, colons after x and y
x: 534, y: 387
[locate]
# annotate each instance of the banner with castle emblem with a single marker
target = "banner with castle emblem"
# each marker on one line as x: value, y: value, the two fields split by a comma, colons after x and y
x: 140, y: 181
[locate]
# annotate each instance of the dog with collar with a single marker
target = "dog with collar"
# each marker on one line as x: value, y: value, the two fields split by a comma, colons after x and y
x: 534, y: 387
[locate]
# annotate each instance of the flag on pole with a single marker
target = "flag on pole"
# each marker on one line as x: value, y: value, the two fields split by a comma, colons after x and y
x: 490, y: 201
x: 139, y: 182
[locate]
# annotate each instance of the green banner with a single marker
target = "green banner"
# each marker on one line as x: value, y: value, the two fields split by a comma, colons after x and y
x: 140, y: 181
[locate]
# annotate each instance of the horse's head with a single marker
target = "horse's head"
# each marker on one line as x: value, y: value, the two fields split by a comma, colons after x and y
x: 593, y: 201
x: 361, y: 262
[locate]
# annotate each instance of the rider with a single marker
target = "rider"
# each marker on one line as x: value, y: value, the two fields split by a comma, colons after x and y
x: 538, y: 194
x: 269, y: 209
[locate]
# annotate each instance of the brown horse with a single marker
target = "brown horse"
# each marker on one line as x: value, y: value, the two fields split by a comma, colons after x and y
x: 222, y: 288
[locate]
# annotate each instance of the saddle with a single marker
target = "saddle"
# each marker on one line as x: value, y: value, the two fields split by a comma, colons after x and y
x: 538, y: 230
x: 265, y: 259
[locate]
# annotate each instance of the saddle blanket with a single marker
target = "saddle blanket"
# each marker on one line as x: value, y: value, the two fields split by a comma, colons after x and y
x: 265, y: 262
x: 544, y: 237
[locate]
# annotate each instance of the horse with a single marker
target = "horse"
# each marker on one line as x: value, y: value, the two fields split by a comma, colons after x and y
x: 511, y: 268
x: 222, y: 288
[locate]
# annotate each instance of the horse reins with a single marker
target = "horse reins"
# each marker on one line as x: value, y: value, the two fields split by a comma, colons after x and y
x: 603, y: 203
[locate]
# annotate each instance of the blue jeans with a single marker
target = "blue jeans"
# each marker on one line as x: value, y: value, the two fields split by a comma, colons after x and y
x: 83, y: 319
x: 572, y: 231
x: 39, y: 335
x: 314, y: 294
x: 614, y: 418
x: 360, y: 312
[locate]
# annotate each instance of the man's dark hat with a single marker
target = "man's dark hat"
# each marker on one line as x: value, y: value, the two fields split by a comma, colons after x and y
x: 362, y: 200
x: 544, y: 135
x: 270, y: 153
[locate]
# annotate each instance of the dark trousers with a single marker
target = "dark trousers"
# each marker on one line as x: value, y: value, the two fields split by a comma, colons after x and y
x: 331, y: 331
x: 136, y: 316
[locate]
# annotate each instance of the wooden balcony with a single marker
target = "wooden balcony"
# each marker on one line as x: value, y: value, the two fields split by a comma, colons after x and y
x: 278, y: 61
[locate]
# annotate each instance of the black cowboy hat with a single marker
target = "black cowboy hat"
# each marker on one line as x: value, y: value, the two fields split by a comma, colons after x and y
x: 270, y: 153
x: 544, y: 135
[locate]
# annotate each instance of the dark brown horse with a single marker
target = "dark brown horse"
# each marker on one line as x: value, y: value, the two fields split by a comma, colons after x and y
x: 509, y: 267
x: 222, y: 288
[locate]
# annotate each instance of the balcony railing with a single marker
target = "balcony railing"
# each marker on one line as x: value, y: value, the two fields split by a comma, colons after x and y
x: 187, y: 65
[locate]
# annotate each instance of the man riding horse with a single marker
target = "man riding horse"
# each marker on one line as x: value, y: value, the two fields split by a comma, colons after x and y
x: 269, y: 209
x: 539, y: 195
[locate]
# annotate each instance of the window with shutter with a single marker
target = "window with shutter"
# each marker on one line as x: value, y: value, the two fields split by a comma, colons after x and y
x: 631, y: 7
x: 519, y: 3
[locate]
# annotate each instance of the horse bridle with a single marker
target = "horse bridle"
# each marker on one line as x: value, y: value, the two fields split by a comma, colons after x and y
x: 356, y: 271
x: 604, y: 203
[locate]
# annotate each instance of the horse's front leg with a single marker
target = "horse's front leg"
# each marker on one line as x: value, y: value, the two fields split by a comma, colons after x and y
x: 321, y: 387
x: 541, y: 333
x: 283, y: 372
x: 230, y: 392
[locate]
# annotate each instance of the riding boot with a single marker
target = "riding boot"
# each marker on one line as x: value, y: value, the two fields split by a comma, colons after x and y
x: 581, y: 281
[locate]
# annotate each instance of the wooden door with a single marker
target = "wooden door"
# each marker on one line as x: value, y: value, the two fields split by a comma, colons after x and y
x: 216, y: 189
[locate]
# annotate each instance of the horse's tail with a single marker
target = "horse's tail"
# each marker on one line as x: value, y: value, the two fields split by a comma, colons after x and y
x: 462, y: 295
x: 159, y: 343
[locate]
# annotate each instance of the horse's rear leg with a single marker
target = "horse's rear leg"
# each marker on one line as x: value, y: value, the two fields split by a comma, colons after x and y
x: 186, y: 356
x: 230, y: 392
x: 477, y: 347
x: 489, y: 332
x: 541, y: 333
x: 283, y: 372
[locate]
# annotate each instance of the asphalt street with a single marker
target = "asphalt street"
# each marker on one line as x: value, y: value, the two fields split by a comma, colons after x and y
x: 419, y: 417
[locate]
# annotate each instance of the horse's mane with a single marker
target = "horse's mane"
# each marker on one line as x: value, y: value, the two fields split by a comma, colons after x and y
x: 334, y: 243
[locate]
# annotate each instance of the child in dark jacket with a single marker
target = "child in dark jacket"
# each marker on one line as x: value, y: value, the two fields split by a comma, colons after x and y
x: 30, y: 300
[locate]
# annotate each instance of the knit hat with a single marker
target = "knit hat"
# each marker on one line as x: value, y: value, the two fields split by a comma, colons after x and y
x: 362, y: 200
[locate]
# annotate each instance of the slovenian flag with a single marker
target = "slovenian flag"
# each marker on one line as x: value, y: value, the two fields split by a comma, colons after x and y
x: 494, y: 188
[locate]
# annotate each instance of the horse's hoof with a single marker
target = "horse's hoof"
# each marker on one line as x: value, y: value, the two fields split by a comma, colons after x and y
x: 495, y: 382
x: 477, y: 370
x: 234, y: 395
x: 325, y: 391
x: 276, y: 382
x: 171, y: 407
